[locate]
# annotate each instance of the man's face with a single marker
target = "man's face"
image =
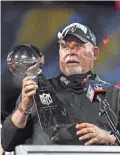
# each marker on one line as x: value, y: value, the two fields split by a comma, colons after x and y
x: 76, y: 57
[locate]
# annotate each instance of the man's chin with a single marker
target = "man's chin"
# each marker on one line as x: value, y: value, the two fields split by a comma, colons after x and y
x: 72, y: 71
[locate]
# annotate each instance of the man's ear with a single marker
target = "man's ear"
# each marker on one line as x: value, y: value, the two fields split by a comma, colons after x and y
x: 59, y: 47
x: 96, y: 52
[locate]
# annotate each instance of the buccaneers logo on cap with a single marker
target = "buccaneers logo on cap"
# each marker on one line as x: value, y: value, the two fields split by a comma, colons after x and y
x: 73, y: 28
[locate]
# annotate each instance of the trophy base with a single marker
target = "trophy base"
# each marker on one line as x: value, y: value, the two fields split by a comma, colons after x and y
x: 64, y: 133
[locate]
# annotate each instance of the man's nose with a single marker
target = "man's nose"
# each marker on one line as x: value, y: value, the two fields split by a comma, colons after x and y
x: 72, y: 52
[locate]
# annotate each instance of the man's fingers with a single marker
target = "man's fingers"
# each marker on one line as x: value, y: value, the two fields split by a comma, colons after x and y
x: 92, y: 141
x: 94, y: 133
x: 31, y: 93
x: 30, y: 88
x: 83, y: 125
x: 87, y: 136
x: 29, y: 82
x: 84, y: 131
x: 29, y: 85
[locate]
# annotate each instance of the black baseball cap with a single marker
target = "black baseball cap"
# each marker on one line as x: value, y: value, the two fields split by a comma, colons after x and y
x: 80, y: 31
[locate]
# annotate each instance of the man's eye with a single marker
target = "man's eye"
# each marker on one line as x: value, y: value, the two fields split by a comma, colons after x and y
x: 78, y: 45
x: 64, y: 46
x: 81, y: 45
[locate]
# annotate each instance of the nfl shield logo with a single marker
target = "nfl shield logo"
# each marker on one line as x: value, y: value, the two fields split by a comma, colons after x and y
x: 45, y: 99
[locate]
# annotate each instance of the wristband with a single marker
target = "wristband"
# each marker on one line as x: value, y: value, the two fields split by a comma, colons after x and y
x: 26, y: 112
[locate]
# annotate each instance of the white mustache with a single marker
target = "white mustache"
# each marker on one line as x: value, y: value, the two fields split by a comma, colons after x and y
x: 71, y: 58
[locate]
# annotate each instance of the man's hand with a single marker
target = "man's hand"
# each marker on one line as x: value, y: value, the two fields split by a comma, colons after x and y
x: 29, y: 88
x: 94, y: 134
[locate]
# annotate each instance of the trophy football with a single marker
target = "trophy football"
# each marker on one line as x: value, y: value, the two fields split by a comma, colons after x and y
x: 27, y: 60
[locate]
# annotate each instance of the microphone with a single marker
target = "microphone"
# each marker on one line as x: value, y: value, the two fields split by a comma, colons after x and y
x: 96, y: 91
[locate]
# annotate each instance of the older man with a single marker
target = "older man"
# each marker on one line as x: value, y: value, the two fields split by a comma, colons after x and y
x: 77, y: 53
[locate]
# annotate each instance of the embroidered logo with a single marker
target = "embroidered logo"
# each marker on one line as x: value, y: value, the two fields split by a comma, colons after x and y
x: 73, y: 28
x: 77, y: 25
x: 64, y: 80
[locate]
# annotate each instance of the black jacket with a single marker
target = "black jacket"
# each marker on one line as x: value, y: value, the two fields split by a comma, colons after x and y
x: 73, y: 99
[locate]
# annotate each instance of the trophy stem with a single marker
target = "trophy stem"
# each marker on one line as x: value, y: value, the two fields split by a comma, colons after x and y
x: 54, y: 119
x: 37, y: 112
